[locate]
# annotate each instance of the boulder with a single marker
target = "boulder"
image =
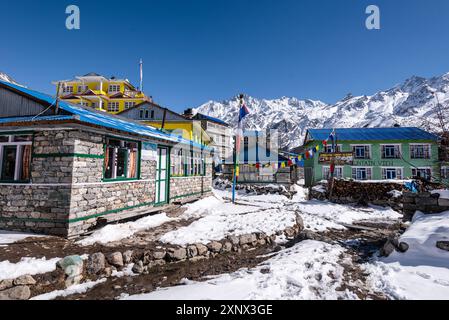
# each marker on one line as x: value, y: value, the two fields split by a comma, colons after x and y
x: 192, y: 251
x: 387, y: 249
x: 403, y: 247
x: 16, y: 293
x: 443, y: 245
x: 227, y: 246
x: 202, y: 249
x: 127, y: 256
x: 176, y: 254
x: 116, y: 259
x: 158, y: 255
x: 25, y: 280
x: 6, y: 284
x: 247, y: 238
x: 96, y: 263
x: 214, y: 246
x: 234, y: 240
x: 73, y: 268
x: 138, y: 267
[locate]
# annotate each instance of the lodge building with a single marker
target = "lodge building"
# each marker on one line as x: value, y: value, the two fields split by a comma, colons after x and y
x: 65, y: 168
x: 377, y: 154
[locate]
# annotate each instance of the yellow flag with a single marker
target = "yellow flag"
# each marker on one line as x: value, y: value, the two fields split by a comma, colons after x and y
x: 317, y: 148
x: 237, y: 171
x: 300, y: 158
x: 283, y: 165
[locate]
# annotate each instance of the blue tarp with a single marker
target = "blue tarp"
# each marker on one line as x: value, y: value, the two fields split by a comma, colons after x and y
x: 372, y: 134
x: 95, y: 117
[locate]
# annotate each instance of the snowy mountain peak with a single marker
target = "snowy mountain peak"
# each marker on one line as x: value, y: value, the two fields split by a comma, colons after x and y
x: 7, y: 78
x: 411, y: 103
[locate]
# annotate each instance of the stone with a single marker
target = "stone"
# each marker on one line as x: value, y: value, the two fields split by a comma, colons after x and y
x: 73, y: 268
x: 299, y: 221
x: 247, y: 238
x: 138, y: 267
x: 443, y: 202
x: 290, y: 232
x: 202, y: 249
x: 25, y: 280
x: 227, y: 247
x: 16, y: 293
x: 234, y: 240
x: 157, y: 255
x: 192, y: 251
x: 96, y: 263
x: 127, y: 256
x: 70, y: 260
x: 176, y: 254
x: 443, y: 245
x: 6, y: 284
x: 214, y: 246
x: 107, y: 272
x: 154, y: 263
x: 116, y: 259
x: 387, y: 249
x: 403, y: 247
x: 261, y: 242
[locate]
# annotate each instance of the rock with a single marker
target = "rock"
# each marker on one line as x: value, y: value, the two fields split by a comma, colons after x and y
x: 403, y: 247
x: 138, y: 267
x: 70, y: 260
x: 25, y: 280
x: 176, y: 254
x: 227, y: 246
x: 107, y: 272
x: 443, y: 245
x: 299, y: 221
x: 247, y: 239
x: 96, y: 263
x: 261, y: 242
x: 154, y: 263
x: 6, y: 284
x: 214, y: 246
x: 387, y: 249
x: 234, y: 240
x: 158, y: 255
x: 127, y: 256
x: 290, y: 232
x: 192, y: 251
x: 16, y: 293
x: 202, y: 249
x: 73, y: 268
x: 116, y: 259
x: 197, y: 258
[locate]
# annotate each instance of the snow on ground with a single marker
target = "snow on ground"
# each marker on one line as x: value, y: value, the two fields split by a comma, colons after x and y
x: 8, y: 237
x: 75, y: 289
x: 423, y: 271
x: 309, y: 270
x: 25, y: 266
x: 444, y: 194
x: 116, y: 232
x: 220, y: 218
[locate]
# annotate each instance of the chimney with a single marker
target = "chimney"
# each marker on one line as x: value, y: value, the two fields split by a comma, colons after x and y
x: 188, y: 113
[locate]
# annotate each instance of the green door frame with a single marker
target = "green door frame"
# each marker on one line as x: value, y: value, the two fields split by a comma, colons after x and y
x: 159, y: 169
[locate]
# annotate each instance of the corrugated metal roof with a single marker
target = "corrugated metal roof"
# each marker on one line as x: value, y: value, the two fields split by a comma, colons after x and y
x: 372, y: 134
x: 34, y: 118
x: 100, y: 118
x: 206, y: 117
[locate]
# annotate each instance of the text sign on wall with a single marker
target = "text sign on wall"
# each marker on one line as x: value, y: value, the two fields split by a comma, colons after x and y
x: 149, y: 151
x: 339, y: 158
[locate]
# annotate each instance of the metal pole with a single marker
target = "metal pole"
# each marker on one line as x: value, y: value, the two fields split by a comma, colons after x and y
x: 237, y: 151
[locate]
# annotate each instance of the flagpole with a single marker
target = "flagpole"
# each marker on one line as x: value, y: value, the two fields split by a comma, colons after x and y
x: 334, y: 149
x: 237, y: 151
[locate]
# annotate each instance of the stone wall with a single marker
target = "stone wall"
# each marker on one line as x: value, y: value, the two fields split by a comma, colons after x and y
x: 191, y: 187
x: 425, y: 202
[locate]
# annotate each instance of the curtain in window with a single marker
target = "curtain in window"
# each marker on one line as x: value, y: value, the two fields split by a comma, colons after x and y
x: 132, y: 164
x: 26, y: 159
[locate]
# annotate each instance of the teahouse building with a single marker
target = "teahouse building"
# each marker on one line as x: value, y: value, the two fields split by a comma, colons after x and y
x: 377, y: 154
x: 65, y: 168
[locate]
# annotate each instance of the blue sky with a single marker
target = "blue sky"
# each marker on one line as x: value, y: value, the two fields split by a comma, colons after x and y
x: 200, y: 50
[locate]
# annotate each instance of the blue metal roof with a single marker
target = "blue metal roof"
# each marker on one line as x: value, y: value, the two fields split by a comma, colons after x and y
x: 372, y: 134
x: 201, y: 115
x: 95, y: 117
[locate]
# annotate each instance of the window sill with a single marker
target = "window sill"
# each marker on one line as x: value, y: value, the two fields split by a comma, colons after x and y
x: 120, y: 179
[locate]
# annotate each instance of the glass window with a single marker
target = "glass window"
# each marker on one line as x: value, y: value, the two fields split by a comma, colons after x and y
x: 114, y: 88
x: 113, y: 106
x: 328, y: 148
x: 444, y: 172
x: 121, y: 159
x: 15, y: 157
x: 338, y: 173
x: 141, y: 114
x: 361, y: 173
x: 425, y: 173
x: 420, y: 151
x: 361, y: 152
x: 391, y: 152
x: 392, y: 173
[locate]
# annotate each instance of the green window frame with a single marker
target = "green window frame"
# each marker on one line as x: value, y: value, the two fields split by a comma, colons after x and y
x: 22, y: 150
x: 120, y: 151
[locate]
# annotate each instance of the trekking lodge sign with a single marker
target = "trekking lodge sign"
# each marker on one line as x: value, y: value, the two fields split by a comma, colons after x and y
x: 339, y: 158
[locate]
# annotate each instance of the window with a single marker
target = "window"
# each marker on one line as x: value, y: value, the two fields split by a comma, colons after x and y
x: 67, y: 89
x: 85, y: 104
x: 362, y: 152
x: 129, y: 104
x: 420, y: 151
x: 361, y: 173
x: 113, y: 106
x: 187, y: 163
x: 15, y: 157
x: 147, y: 112
x: 425, y: 173
x: 444, y: 172
x: 392, y: 173
x: 391, y: 151
x: 82, y: 89
x: 152, y: 114
x: 338, y: 173
x: 113, y: 88
x: 141, y: 114
x: 328, y: 148
x: 121, y: 159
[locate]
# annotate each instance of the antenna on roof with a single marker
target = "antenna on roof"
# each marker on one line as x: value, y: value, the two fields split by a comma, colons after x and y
x: 141, y: 75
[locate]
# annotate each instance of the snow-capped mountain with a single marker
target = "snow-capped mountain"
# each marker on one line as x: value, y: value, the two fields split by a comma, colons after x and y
x: 6, y: 78
x: 411, y: 103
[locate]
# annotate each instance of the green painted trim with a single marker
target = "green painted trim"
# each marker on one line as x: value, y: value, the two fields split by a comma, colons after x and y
x: 120, y: 179
x: 33, y: 220
x: 67, y: 155
x: 190, y: 194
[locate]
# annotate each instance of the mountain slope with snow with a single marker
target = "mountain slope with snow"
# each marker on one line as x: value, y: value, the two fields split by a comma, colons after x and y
x: 411, y: 103
x: 7, y: 78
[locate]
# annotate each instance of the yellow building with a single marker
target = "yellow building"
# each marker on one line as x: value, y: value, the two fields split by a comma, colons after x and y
x: 107, y: 94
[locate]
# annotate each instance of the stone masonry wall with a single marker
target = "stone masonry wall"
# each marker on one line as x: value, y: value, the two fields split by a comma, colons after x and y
x: 191, y: 187
x: 425, y: 202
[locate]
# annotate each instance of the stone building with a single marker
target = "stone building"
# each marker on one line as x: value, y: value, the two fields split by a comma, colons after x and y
x: 65, y: 168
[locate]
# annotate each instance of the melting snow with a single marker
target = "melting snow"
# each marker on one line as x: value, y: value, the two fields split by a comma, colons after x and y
x: 25, y: 266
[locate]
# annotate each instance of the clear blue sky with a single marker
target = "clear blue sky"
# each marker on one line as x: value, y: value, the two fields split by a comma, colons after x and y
x: 199, y: 50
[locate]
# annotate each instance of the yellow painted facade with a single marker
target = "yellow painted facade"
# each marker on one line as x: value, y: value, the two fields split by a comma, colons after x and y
x: 190, y: 130
x: 93, y: 90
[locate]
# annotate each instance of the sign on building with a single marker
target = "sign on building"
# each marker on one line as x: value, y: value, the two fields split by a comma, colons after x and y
x: 339, y: 158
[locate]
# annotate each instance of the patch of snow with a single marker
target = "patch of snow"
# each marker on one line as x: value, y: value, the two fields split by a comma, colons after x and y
x: 75, y: 289
x: 31, y: 266
x: 8, y: 237
x: 116, y: 232
x: 309, y: 270
x: 395, y: 193
x: 423, y: 271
